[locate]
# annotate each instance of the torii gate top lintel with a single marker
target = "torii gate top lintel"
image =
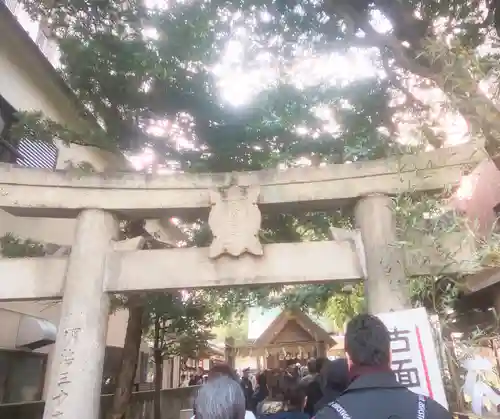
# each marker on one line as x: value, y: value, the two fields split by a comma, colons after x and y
x: 62, y: 194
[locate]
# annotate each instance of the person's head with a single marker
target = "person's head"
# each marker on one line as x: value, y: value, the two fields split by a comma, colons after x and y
x: 246, y: 372
x: 183, y: 377
x: 261, y: 379
x: 335, y: 375
x: 220, y: 398
x: 222, y: 370
x: 318, y: 364
x: 367, y: 342
x: 311, y: 366
x: 199, y: 371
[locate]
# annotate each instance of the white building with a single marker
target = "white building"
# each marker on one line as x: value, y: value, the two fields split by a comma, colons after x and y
x: 29, y: 82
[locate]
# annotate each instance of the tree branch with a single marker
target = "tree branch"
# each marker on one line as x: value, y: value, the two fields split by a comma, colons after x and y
x: 380, y: 40
x: 396, y: 82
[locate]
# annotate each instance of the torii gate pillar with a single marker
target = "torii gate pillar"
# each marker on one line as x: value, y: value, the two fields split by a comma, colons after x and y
x: 386, y: 286
x: 229, y: 355
x: 76, y: 371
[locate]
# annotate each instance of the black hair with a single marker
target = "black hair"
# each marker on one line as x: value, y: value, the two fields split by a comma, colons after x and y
x: 311, y: 366
x: 367, y: 341
x: 335, y: 375
x: 319, y: 364
x: 285, y: 388
x: 293, y: 395
x: 261, y: 379
x: 222, y: 370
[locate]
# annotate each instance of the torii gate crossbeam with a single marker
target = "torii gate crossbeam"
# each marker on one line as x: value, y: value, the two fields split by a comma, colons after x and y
x: 43, y: 278
x: 60, y: 194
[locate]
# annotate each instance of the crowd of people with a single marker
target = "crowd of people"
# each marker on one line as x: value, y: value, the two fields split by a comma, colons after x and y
x: 359, y: 386
x: 196, y: 379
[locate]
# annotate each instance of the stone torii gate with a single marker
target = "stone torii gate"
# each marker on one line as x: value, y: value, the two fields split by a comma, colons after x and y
x: 98, y: 265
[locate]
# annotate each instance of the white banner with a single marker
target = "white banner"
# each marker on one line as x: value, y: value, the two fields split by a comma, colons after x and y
x: 414, y: 355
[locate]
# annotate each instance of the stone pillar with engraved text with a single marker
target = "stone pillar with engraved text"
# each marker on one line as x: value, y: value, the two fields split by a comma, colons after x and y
x: 76, y: 371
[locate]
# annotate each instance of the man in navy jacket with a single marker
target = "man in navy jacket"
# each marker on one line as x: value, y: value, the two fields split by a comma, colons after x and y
x: 374, y: 392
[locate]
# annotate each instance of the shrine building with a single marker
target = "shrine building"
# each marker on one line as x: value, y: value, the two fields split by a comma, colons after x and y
x: 291, y: 338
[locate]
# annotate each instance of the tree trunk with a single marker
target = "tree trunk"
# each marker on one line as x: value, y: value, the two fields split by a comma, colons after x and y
x: 481, y: 114
x: 125, y: 381
x: 158, y: 358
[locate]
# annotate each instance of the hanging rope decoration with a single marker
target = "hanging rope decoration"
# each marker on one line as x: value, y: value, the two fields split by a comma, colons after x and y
x: 294, y: 351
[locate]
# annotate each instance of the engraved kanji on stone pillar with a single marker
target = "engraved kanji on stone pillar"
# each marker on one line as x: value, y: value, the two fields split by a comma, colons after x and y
x: 235, y: 221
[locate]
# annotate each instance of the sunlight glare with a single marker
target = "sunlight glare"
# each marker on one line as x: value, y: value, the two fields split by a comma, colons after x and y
x: 151, y: 34
x: 466, y: 188
x: 302, y: 130
x: 265, y: 16
x: 379, y: 22
x: 143, y: 160
x: 156, y: 4
x: 239, y: 85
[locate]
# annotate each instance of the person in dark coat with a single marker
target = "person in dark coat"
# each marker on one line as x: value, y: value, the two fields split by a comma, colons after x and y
x: 312, y: 383
x: 286, y: 399
x: 247, y: 387
x: 334, y: 381
x: 374, y: 392
x: 261, y: 391
x: 311, y: 372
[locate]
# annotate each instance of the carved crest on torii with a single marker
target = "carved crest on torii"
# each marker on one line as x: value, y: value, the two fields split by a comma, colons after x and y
x: 235, y: 221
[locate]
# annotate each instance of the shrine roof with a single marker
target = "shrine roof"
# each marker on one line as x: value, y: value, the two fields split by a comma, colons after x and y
x: 302, y: 319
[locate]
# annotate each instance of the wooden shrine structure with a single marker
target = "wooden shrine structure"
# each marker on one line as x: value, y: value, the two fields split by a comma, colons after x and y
x: 292, y: 337
x: 99, y: 265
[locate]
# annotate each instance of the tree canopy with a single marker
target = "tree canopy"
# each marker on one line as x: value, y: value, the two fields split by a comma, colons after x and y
x: 153, y: 73
x: 181, y: 324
